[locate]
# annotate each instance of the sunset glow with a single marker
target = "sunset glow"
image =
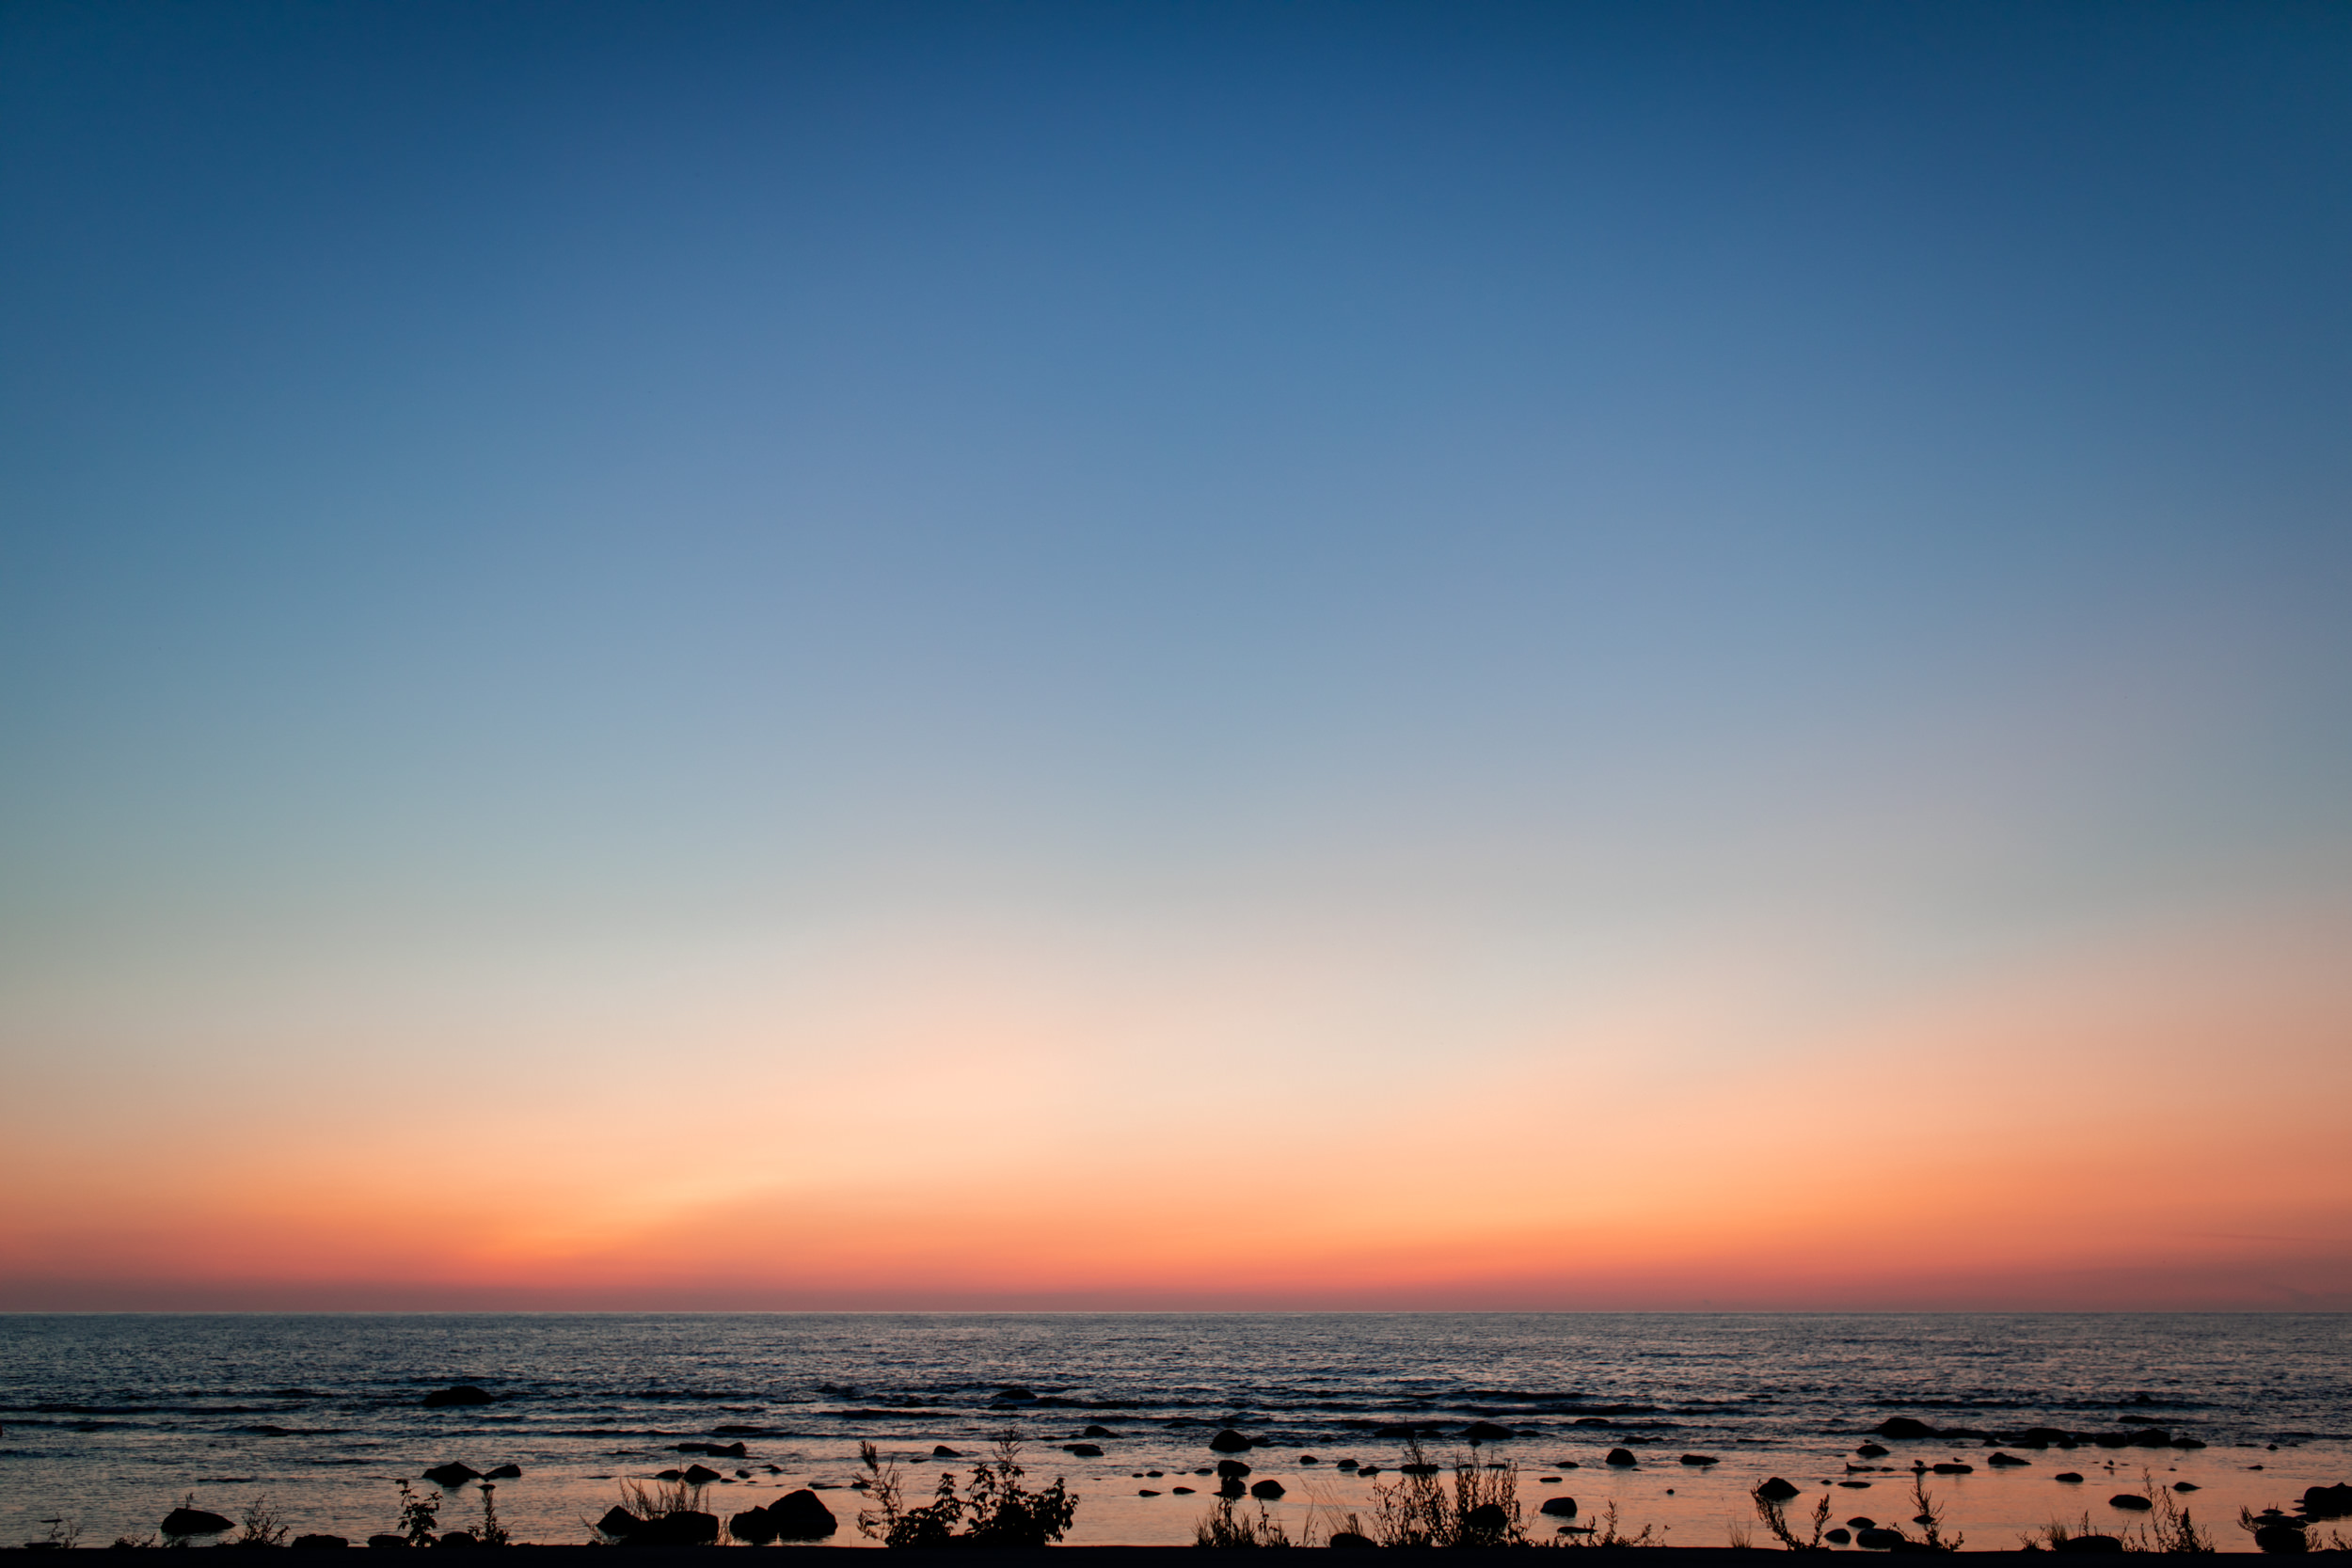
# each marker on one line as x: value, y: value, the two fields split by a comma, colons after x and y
x: 867, y: 657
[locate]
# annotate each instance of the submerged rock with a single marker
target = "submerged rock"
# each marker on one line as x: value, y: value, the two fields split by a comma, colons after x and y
x: 1098, y: 1431
x: 1700, y: 1459
x: 195, y: 1521
x: 1083, y: 1451
x: 504, y: 1472
x: 1487, y: 1431
x: 463, y: 1393
x: 941, y: 1450
x: 1903, y: 1427
x: 2007, y: 1459
x: 1775, y: 1490
x: 452, y: 1474
x: 1872, y: 1450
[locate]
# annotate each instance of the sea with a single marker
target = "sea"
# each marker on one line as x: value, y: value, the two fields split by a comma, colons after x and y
x: 108, y: 1422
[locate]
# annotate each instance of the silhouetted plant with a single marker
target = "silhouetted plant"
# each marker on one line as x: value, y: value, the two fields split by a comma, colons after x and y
x: 59, y: 1537
x: 417, y: 1516
x: 263, y: 1525
x: 1417, y: 1510
x: 1225, y: 1527
x: 490, y: 1533
x: 1605, y: 1532
x: 997, y: 1510
x: 1775, y: 1519
x: 1931, y: 1517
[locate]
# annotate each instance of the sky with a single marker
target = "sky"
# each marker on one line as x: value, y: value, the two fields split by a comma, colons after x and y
x: 1183, y: 654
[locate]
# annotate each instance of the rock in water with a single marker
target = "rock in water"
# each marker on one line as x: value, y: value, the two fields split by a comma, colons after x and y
x: 387, y: 1540
x: 1229, y: 1441
x: 802, y: 1516
x: 1098, y: 1431
x: 1348, y: 1539
x: 2131, y: 1502
x: 2097, y: 1545
x: 463, y: 1393
x: 504, y: 1472
x: 1267, y: 1490
x: 195, y: 1521
x: 1878, y: 1540
x: 2280, y: 1538
x: 753, y: 1527
x: 1489, y: 1519
x: 1700, y: 1459
x: 619, y: 1523
x: 2328, y: 1502
x: 1620, y: 1457
x: 1232, y: 1469
x: 941, y: 1450
x: 1559, y: 1507
x: 1903, y: 1426
x: 1487, y: 1431
x: 318, y: 1542
x: 699, y: 1475
x: 1775, y: 1491
x: 1083, y: 1451
x: 452, y: 1474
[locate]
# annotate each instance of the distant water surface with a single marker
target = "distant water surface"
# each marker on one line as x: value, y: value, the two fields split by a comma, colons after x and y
x: 111, y: 1419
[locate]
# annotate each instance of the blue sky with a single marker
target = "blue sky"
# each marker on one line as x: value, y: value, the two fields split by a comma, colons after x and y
x: 490, y: 490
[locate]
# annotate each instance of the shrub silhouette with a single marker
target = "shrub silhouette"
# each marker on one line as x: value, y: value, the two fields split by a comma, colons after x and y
x: 997, y: 1510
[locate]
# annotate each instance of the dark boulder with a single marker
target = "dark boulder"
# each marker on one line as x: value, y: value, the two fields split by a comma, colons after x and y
x: 1775, y: 1491
x: 1423, y: 1469
x: 753, y: 1527
x: 1084, y: 1451
x: 1145, y: 1492
x: 2098, y: 1546
x: 1877, y: 1540
x: 2040, y: 1438
x: 2328, y: 1502
x: 1232, y: 1486
x: 1870, y: 1450
x: 387, y: 1540
x: 941, y: 1450
x: 2280, y: 1538
x: 1620, y: 1458
x: 699, y: 1475
x: 458, y: 1538
x: 318, y: 1542
x: 1903, y: 1426
x: 463, y: 1393
x: 1098, y: 1431
x: 1267, y: 1490
x: 1862, y: 1521
x: 1232, y: 1469
x: 1955, y: 1469
x: 2131, y: 1502
x: 619, y: 1523
x: 1699, y: 1459
x: 504, y: 1472
x: 195, y: 1521
x: 802, y: 1516
x: 1229, y: 1441
x: 2000, y: 1460
x: 1488, y: 1521
x: 1017, y: 1394
x: 1487, y: 1431
x: 1837, y: 1537
x: 1559, y: 1507
x: 669, y: 1475
x: 452, y: 1474
x: 2069, y: 1477
x: 1348, y: 1540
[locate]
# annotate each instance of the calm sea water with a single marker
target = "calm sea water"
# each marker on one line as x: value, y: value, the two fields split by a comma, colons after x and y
x: 112, y: 1419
